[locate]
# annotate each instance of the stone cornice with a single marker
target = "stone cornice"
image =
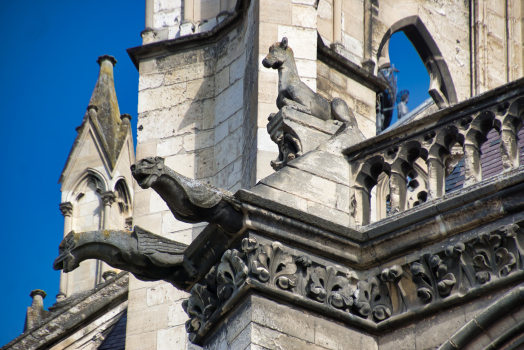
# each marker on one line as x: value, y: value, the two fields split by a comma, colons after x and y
x: 397, y: 235
x: 191, y: 41
x: 348, y: 68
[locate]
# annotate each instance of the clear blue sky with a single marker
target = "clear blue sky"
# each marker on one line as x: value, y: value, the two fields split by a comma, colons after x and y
x: 48, y: 69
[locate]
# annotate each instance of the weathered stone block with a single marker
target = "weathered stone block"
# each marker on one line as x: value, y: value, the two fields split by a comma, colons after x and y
x: 172, y: 338
x: 303, y: 41
x: 304, y: 16
x: 222, y: 80
x: 229, y: 101
x: 276, y: 12
x: 163, y: 293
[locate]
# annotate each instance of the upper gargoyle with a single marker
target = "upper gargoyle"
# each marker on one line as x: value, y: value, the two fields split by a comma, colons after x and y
x: 294, y: 93
x: 189, y: 200
x: 148, y: 256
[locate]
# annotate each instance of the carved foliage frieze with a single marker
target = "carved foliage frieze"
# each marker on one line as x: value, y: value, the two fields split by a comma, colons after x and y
x: 395, y: 290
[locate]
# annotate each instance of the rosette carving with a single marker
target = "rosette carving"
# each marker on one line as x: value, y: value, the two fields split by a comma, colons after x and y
x: 326, y: 287
x: 272, y: 264
x: 231, y: 273
x: 490, y: 257
x: 371, y: 300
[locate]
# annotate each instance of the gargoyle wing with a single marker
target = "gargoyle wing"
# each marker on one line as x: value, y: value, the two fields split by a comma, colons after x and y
x: 161, y: 251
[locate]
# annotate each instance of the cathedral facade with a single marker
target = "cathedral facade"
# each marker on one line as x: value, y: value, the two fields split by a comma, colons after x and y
x: 270, y: 207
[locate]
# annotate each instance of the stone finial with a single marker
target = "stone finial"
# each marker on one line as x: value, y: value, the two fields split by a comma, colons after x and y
x: 108, y: 275
x: 126, y: 117
x: 106, y: 57
x: 35, y: 312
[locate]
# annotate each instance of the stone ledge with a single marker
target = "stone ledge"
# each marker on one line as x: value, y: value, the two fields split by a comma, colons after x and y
x: 73, y: 316
x: 191, y: 41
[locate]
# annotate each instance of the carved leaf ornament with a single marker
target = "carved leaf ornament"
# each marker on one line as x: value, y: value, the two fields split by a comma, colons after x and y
x: 325, y: 285
x: 432, y: 277
x: 436, y: 275
x: 272, y: 264
x: 490, y: 258
x: 372, y: 299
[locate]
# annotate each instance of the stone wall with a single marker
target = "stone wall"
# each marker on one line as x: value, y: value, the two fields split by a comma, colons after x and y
x: 296, y: 20
x: 331, y: 83
x: 260, y: 323
x: 197, y: 110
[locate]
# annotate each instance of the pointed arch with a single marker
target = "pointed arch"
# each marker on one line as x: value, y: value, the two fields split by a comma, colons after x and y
x: 80, y: 182
x: 441, y: 87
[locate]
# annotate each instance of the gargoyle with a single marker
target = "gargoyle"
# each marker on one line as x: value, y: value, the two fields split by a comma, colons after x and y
x: 296, y: 94
x: 148, y: 256
x: 189, y: 200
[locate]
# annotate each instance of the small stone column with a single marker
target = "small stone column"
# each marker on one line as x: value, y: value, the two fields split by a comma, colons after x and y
x: 472, y: 164
x: 337, y: 21
x: 67, y: 211
x: 359, y: 207
x: 509, y: 149
x: 397, y: 192
x: 436, y: 177
x: 108, y: 198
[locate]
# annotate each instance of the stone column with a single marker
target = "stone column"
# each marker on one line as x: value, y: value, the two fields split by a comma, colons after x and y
x: 436, y: 177
x: 509, y: 149
x: 187, y: 27
x: 397, y: 192
x: 149, y: 14
x: 472, y: 164
x: 67, y: 211
x: 359, y: 207
x: 108, y: 198
x: 337, y: 21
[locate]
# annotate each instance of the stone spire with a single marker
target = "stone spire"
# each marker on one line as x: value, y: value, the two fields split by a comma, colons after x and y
x: 103, y: 108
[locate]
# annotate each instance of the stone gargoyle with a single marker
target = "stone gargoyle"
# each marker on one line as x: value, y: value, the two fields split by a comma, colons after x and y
x: 294, y: 93
x: 189, y: 200
x: 148, y: 256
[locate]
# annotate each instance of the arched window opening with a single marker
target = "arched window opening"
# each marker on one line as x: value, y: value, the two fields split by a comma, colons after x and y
x: 122, y: 197
x: 408, y: 82
x: 405, y: 46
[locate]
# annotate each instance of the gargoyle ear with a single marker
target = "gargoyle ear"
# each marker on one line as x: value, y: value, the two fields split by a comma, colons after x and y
x: 283, y: 43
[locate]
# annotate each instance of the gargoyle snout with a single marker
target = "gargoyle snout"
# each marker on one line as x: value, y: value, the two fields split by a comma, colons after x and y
x: 133, y: 167
x: 266, y: 63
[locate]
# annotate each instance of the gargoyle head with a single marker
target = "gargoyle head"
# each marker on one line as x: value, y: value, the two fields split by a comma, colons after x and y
x: 147, y: 171
x: 65, y: 260
x: 279, y: 52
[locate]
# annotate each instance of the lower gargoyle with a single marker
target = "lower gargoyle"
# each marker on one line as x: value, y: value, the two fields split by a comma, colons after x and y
x: 189, y: 200
x: 147, y: 256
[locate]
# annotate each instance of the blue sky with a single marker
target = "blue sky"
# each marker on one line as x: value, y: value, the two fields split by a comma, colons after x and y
x: 48, y: 69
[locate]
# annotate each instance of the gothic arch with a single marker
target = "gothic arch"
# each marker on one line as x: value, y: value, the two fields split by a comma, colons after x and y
x: 80, y: 182
x: 441, y: 87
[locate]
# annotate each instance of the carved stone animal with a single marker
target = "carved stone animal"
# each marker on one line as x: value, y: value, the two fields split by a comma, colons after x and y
x: 189, y: 200
x: 148, y: 256
x: 296, y: 94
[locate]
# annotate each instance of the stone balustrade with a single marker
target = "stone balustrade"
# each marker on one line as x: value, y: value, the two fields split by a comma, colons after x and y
x: 431, y: 140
